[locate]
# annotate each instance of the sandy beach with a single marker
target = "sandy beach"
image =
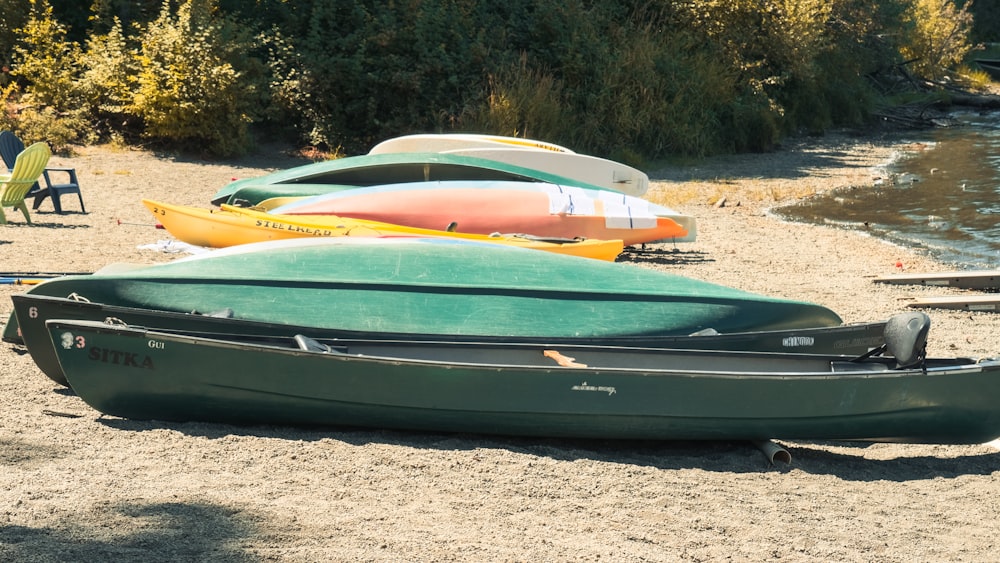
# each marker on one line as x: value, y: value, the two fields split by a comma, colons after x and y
x: 77, y: 486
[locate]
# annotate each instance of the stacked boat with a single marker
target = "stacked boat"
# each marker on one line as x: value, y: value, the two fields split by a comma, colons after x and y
x: 409, y: 323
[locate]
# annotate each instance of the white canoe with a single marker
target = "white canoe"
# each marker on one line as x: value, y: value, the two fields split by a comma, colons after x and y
x: 429, y: 142
x: 528, y: 153
x: 585, y: 168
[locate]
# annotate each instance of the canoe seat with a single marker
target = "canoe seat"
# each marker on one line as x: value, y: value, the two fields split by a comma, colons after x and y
x: 226, y: 313
x: 906, y: 338
x: 854, y: 366
x: 705, y: 332
x: 307, y: 344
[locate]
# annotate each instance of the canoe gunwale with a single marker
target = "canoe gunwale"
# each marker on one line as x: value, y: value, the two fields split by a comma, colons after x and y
x: 867, y: 368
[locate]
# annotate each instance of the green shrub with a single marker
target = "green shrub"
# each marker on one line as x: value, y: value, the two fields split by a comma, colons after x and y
x: 109, y: 81
x: 13, y: 16
x: 633, y: 80
x: 520, y: 102
x: 360, y: 71
x: 46, y: 60
x: 59, y: 130
x: 188, y: 90
x: 51, y: 107
x: 939, y: 37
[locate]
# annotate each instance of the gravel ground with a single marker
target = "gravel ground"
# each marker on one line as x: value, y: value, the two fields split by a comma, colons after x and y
x: 77, y: 486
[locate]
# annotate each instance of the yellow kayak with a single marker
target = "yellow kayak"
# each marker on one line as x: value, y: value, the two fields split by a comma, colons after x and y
x: 230, y: 226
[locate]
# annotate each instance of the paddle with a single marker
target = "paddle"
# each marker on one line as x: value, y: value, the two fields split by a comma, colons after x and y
x: 21, y: 281
x: 32, y: 278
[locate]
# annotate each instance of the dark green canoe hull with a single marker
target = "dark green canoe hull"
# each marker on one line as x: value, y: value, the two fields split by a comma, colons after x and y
x: 520, y: 389
x: 392, y: 168
x: 10, y: 331
x: 33, y: 310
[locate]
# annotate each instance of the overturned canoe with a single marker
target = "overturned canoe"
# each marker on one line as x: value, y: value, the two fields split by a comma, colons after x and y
x: 442, y: 142
x: 528, y: 153
x: 527, y: 389
x: 32, y: 310
x: 229, y: 226
x: 419, y: 286
x: 484, y: 207
x: 584, y: 168
x: 414, y: 285
x: 377, y: 169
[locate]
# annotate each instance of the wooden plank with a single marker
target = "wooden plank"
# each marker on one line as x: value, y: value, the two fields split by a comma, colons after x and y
x: 960, y: 302
x: 971, y: 279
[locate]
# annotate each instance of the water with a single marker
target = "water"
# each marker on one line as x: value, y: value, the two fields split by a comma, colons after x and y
x: 942, y: 198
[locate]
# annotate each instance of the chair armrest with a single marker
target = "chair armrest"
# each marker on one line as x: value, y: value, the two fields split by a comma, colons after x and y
x: 71, y: 172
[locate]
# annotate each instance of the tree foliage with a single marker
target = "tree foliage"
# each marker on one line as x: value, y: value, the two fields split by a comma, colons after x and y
x: 619, y: 78
x: 939, y: 36
x: 13, y: 15
x: 188, y: 87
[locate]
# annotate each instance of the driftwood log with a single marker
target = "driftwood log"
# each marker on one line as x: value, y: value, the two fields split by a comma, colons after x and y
x: 941, y: 97
x: 982, y: 101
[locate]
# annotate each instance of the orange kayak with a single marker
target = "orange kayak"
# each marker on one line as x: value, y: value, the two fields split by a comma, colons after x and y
x: 230, y: 226
x: 485, y: 207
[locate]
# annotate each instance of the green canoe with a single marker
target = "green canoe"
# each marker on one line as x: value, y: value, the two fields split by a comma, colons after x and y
x: 10, y: 331
x: 528, y: 389
x: 417, y: 286
x: 372, y: 170
x: 32, y: 310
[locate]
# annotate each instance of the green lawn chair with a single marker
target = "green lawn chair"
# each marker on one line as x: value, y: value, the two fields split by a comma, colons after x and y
x: 16, y: 185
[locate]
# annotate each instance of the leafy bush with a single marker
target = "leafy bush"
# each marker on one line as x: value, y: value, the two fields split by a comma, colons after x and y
x: 520, y: 102
x: 358, y: 71
x: 46, y: 60
x: 59, y: 130
x: 188, y: 89
x: 939, y: 36
x: 52, y: 108
x: 109, y: 80
x: 13, y: 16
x: 631, y: 80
